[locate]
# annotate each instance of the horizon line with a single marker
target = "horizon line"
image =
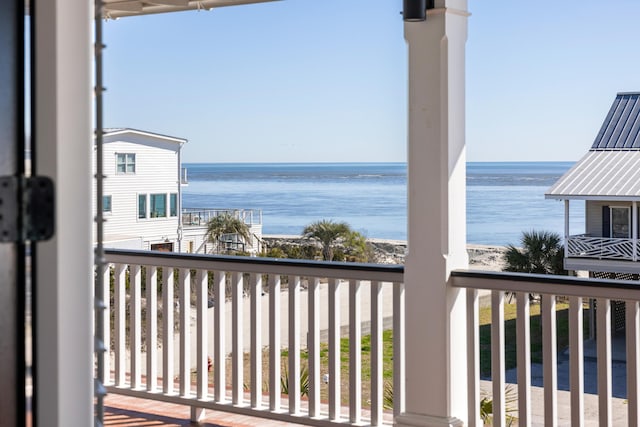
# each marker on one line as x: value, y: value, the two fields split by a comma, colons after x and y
x: 369, y: 162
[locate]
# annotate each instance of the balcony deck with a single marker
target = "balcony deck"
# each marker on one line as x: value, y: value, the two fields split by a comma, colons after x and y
x: 596, y: 382
x: 127, y: 411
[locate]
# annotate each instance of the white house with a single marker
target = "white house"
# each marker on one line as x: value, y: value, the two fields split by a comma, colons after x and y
x: 141, y: 200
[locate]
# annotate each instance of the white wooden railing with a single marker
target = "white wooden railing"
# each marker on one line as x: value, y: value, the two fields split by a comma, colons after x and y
x: 201, y: 216
x: 222, y: 333
x: 549, y: 288
x: 585, y: 246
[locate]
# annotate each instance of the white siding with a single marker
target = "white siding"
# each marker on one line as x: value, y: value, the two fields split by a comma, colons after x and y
x: 197, y: 236
x: 593, y: 218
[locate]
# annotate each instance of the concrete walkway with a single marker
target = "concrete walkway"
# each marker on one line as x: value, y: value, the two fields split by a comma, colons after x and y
x: 619, y: 406
x: 618, y: 384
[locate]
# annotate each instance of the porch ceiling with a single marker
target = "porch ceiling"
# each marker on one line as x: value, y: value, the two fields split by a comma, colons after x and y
x: 121, y: 8
x: 601, y: 175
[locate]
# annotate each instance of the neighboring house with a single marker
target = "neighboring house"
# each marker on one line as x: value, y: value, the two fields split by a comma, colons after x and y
x: 142, y: 190
x: 607, y: 178
x: 142, y: 198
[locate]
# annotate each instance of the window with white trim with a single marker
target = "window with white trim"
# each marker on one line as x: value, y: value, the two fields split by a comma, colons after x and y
x: 125, y: 163
x: 158, y: 208
x: 106, y: 204
x: 620, y: 222
x: 173, y: 204
x: 142, y: 206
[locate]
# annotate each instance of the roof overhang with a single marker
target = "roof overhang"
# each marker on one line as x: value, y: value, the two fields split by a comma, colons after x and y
x: 121, y: 8
x: 124, y: 131
x: 601, y: 175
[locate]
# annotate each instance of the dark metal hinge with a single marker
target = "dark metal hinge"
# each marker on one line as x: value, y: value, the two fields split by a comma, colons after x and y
x: 26, y: 208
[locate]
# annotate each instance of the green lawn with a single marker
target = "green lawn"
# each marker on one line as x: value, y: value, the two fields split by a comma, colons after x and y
x: 387, y: 362
x: 387, y: 365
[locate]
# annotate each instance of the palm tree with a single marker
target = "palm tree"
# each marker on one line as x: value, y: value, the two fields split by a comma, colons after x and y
x: 327, y: 232
x: 356, y: 247
x: 541, y: 252
x: 224, y: 224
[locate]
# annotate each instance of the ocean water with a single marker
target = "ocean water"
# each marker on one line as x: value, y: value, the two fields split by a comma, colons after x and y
x: 503, y: 199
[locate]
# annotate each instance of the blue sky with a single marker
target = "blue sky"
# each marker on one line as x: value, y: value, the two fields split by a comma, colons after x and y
x: 325, y: 80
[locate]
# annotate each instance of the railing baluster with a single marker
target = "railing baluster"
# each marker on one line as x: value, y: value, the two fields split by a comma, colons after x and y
x: 334, y: 349
x: 119, y: 323
x: 135, y: 325
x: 603, y: 342
x: 632, y: 328
x: 167, y: 330
x: 355, y: 354
x: 152, y: 328
x: 398, y: 349
x: 219, y: 359
x: 576, y: 364
x: 237, y: 339
x: 377, y: 381
x: 294, y: 345
x: 185, y: 331
x: 473, y: 359
x: 201, y: 333
x: 256, y: 340
x: 549, y: 359
x: 106, y: 321
x: 198, y: 413
x: 274, y: 342
x: 497, y: 357
x: 313, y: 344
x: 523, y: 342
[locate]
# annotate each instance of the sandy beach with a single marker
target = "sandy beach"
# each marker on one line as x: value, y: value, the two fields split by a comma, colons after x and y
x: 385, y: 251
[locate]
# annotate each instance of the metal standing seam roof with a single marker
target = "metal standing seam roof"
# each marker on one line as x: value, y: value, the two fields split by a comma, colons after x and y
x: 611, y: 168
x: 621, y: 128
x: 601, y: 175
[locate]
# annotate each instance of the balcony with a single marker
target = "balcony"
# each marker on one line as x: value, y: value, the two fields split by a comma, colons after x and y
x: 261, y: 310
x: 271, y: 317
x: 584, y: 252
x: 199, y: 217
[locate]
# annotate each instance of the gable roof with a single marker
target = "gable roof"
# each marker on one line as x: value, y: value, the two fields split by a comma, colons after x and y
x: 611, y: 168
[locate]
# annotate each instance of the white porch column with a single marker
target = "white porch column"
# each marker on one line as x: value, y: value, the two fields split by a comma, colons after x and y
x: 436, y: 381
x: 64, y: 145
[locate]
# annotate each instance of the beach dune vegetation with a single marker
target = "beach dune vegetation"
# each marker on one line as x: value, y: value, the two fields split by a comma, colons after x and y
x: 226, y: 224
x: 354, y: 248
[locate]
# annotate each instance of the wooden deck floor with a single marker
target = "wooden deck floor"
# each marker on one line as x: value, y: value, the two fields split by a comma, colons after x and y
x: 125, y: 411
